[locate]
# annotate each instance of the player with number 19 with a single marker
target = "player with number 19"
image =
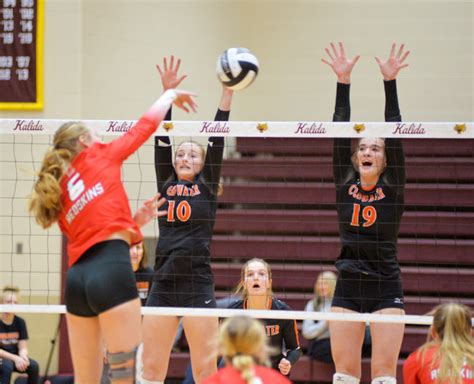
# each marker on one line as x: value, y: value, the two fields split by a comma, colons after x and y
x: 370, y: 186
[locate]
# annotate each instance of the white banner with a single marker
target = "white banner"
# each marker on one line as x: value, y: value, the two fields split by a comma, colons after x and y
x: 294, y: 129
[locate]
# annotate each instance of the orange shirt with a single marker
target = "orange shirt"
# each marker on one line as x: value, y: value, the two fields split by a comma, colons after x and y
x: 94, y: 201
x: 414, y: 372
x: 229, y: 375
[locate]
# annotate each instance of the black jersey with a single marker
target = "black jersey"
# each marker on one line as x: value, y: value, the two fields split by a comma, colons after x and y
x: 283, y: 333
x: 11, y: 334
x: 369, y: 220
x: 183, y: 249
x: 144, y: 278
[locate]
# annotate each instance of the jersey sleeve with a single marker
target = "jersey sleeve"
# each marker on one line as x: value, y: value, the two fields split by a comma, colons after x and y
x: 410, y: 370
x: 22, y: 330
x: 214, y: 154
x: 121, y: 148
x: 291, y: 338
x: 342, y: 146
x: 395, y: 171
x: 163, y: 158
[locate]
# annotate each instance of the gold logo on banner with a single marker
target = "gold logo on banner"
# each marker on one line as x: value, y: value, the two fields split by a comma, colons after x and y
x: 168, y: 126
x: 262, y: 127
x: 460, y: 128
x: 359, y: 128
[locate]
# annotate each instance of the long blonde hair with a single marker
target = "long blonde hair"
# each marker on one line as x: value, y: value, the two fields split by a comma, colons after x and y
x: 45, y: 201
x: 451, y: 331
x: 244, y: 344
x: 331, y: 279
x: 241, y: 290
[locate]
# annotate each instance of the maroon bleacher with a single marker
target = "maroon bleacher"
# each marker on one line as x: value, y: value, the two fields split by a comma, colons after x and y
x: 279, y: 204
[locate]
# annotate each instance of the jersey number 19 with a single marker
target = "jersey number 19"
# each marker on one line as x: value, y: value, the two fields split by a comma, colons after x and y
x: 369, y: 214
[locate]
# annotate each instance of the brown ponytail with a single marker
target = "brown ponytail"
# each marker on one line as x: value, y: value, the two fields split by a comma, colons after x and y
x: 45, y: 201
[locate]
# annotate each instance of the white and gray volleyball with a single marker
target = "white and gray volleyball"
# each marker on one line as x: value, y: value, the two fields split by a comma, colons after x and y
x: 237, y: 68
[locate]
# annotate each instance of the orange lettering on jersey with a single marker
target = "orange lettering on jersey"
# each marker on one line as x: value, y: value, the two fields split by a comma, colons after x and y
x: 358, y: 195
x: 272, y: 330
x: 9, y: 335
x: 180, y: 189
x: 143, y: 285
x: 380, y: 194
x: 196, y: 190
x: 171, y: 191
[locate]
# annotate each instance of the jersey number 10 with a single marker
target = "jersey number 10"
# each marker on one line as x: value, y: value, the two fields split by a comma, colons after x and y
x: 183, y: 211
x: 369, y: 214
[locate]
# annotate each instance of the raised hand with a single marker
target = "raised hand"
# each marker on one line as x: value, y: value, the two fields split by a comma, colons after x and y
x: 185, y: 100
x: 149, y: 210
x: 169, y: 73
x: 340, y: 64
x: 394, y: 63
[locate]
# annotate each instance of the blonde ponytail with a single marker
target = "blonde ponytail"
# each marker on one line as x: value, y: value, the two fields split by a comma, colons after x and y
x: 245, y: 365
x: 452, y: 331
x: 244, y: 344
x: 45, y: 201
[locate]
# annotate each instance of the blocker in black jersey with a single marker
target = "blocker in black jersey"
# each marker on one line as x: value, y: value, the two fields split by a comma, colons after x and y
x: 283, y: 333
x: 369, y: 220
x: 183, y: 249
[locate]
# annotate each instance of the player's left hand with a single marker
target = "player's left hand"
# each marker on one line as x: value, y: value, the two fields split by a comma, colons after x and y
x: 284, y: 366
x: 149, y: 210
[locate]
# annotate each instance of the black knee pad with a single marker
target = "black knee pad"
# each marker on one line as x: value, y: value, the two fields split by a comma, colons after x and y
x: 119, y: 358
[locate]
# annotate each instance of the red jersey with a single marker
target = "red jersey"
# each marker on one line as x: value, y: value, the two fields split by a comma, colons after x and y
x: 414, y: 372
x: 94, y: 201
x: 230, y: 375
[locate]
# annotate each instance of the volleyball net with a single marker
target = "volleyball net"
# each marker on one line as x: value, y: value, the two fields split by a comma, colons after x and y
x: 278, y: 204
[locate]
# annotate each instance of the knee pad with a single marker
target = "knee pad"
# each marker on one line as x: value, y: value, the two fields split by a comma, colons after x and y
x: 121, y: 358
x: 342, y: 378
x: 384, y: 380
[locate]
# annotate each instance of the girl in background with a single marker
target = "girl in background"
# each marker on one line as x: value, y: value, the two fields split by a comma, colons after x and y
x: 448, y: 355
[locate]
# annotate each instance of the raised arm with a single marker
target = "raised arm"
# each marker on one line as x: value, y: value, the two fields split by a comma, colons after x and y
x: 390, y: 68
x: 215, y: 147
x: 121, y: 148
x: 163, y: 150
x: 342, y: 67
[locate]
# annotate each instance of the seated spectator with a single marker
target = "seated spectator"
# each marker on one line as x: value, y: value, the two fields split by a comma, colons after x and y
x: 318, y: 331
x: 448, y: 355
x: 13, y: 343
x: 244, y: 345
x: 255, y: 292
x: 143, y: 272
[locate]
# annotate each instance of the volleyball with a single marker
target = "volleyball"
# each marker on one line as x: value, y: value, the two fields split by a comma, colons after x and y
x: 237, y: 68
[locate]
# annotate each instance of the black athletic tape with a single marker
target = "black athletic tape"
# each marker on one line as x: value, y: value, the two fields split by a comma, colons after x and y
x: 121, y: 357
x: 121, y: 373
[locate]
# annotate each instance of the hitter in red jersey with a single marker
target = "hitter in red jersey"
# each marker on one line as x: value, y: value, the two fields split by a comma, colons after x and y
x: 80, y: 186
x: 449, y: 357
x: 244, y: 346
